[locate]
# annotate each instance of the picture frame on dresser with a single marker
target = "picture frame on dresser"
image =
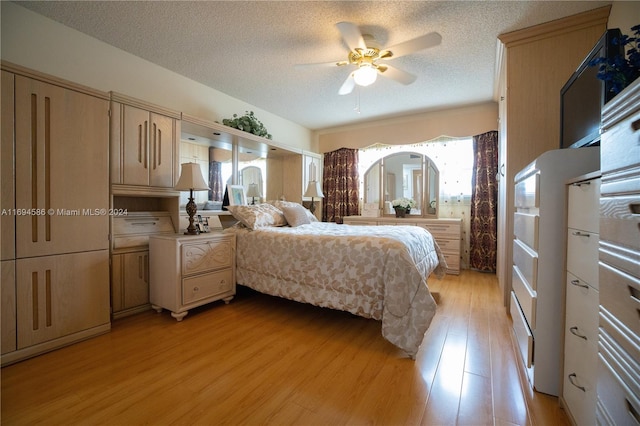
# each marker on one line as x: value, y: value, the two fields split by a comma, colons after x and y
x: 236, y: 195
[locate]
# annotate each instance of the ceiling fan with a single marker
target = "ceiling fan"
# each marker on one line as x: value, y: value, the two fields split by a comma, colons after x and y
x: 366, y: 56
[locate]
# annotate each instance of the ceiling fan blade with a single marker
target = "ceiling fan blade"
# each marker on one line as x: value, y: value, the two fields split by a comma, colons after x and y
x: 351, y: 35
x: 322, y: 64
x: 419, y: 43
x: 347, y: 86
x: 398, y: 75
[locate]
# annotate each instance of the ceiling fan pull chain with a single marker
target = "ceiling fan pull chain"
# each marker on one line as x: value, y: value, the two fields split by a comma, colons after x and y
x: 357, y: 107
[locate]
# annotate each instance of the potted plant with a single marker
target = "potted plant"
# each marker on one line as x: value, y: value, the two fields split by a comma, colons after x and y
x: 621, y: 70
x: 247, y: 123
x: 403, y: 206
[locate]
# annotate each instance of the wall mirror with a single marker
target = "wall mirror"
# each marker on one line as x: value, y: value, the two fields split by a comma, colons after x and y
x: 403, y: 175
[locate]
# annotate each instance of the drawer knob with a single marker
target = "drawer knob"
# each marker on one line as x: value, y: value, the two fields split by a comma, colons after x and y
x: 196, y: 288
x: 577, y: 283
x: 574, y: 331
x: 572, y: 378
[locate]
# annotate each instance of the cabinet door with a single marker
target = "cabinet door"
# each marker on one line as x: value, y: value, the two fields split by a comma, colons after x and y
x: 135, y: 146
x: 161, y: 143
x: 129, y: 280
x: 7, y: 182
x: 8, y: 306
x: 62, y: 175
x: 60, y: 295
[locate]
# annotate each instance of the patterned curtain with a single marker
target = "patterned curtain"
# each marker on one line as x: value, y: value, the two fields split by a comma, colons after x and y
x: 484, y: 203
x: 216, y: 185
x: 340, y: 185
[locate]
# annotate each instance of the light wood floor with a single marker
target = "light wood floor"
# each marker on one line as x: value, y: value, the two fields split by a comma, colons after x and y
x: 264, y: 360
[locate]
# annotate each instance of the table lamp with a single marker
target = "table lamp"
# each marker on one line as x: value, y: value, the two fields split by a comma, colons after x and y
x: 313, y: 191
x: 191, y: 180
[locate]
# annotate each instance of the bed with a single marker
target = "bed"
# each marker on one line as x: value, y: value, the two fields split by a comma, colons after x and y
x: 377, y: 272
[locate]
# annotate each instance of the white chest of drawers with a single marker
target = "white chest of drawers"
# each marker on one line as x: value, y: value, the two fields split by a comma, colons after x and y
x: 582, y: 298
x: 187, y: 271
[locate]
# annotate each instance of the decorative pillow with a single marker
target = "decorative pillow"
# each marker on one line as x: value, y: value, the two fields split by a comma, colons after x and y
x: 258, y: 215
x: 279, y: 204
x: 296, y: 215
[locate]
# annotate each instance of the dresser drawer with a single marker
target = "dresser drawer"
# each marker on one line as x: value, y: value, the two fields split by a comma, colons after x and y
x: 580, y: 380
x: 582, y: 311
x: 525, y: 227
x: 204, y: 286
x: 620, y: 295
x: 524, y: 338
x: 206, y: 256
x: 443, y: 230
x: 526, y: 297
x: 582, y: 196
x: 582, y: 255
x: 450, y: 246
x: 620, y: 142
x: 620, y: 220
x: 617, y: 390
x: 527, y: 192
x: 527, y: 263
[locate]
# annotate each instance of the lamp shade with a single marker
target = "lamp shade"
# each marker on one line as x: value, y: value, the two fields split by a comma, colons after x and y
x: 253, y: 190
x: 314, y: 190
x: 365, y: 75
x: 191, y: 178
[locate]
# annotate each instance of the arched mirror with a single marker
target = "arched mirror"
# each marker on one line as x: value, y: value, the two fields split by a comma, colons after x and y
x: 403, y: 175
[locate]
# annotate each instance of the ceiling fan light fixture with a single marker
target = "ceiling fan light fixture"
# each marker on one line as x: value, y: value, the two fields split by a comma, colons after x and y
x: 365, y: 75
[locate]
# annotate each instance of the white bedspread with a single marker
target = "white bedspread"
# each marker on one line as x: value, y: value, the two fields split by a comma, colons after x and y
x: 376, y: 272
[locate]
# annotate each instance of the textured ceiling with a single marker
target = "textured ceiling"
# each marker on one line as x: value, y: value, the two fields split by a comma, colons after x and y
x: 248, y: 49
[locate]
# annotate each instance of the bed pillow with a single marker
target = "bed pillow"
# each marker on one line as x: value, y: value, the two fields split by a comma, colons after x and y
x: 296, y: 215
x: 258, y: 215
x: 279, y: 204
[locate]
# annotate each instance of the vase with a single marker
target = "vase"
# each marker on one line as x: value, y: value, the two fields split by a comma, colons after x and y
x: 400, y: 211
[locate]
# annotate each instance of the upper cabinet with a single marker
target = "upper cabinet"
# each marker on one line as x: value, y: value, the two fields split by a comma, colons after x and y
x: 144, y: 144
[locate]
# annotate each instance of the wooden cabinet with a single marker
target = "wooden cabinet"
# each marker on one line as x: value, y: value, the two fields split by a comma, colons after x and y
x: 130, y: 258
x: 618, y: 384
x: 446, y: 232
x: 144, y: 144
x: 534, y: 63
x: 581, y: 301
x: 61, y: 295
x: 189, y: 271
x: 8, y: 306
x: 55, y: 286
x: 129, y: 282
x: 61, y: 173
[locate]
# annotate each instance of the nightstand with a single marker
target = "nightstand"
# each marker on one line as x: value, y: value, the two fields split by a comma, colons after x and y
x: 191, y: 270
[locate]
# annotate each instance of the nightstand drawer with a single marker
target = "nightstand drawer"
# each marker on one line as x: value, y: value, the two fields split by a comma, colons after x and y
x: 205, y: 286
x: 206, y: 256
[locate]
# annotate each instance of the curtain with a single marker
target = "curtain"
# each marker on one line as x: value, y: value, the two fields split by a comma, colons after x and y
x: 216, y: 186
x: 340, y: 185
x: 483, y: 240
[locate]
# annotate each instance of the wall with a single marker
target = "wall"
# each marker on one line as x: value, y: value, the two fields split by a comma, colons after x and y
x: 456, y: 122
x: 39, y: 43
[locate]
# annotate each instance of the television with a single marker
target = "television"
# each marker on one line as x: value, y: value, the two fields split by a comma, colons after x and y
x: 584, y: 95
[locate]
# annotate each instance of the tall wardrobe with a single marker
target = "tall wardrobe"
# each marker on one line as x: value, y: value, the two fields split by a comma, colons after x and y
x: 55, y: 224
x: 534, y: 64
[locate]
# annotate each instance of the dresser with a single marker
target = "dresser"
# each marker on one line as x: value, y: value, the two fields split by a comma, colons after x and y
x: 446, y: 232
x: 187, y: 271
x: 618, y: 384
x: 581, y: 299
x: 538, y: 269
